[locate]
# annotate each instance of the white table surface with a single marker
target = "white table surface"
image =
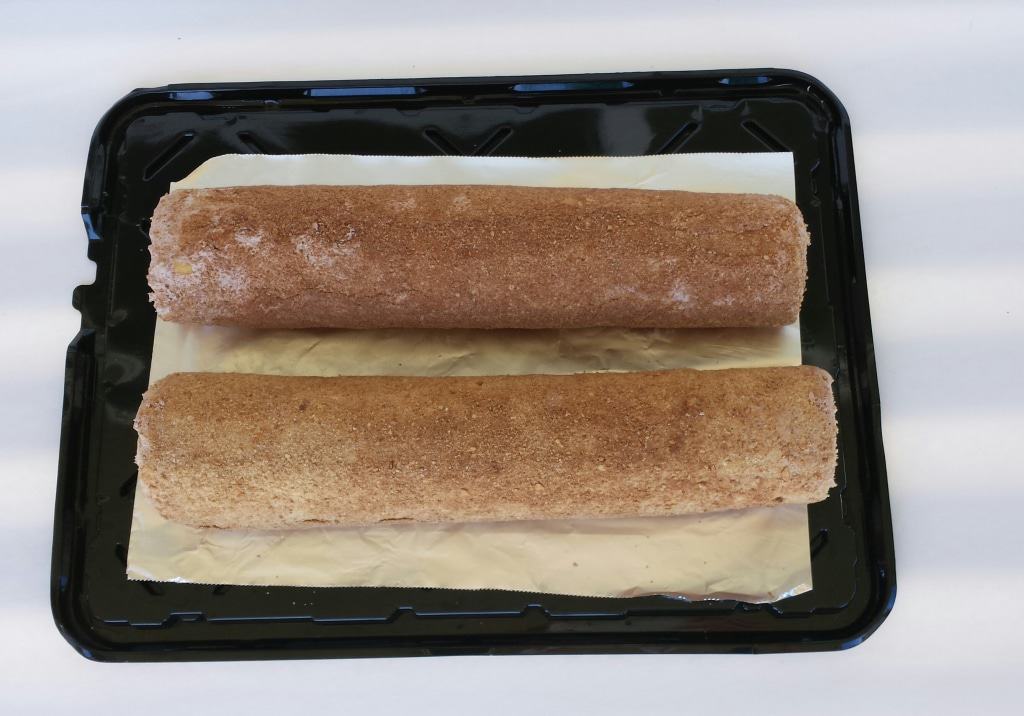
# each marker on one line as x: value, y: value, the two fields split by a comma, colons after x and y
x: 936, y: 101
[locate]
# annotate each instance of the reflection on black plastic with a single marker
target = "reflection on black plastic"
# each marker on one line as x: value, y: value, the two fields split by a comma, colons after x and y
x: 190, y: 95
x: 745, y: 80
x: 362, y: 91
x: 569, y: 86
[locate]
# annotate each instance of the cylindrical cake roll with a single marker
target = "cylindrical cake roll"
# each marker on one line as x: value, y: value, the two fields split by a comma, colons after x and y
x: 257, y: 451
x: 443, y: 256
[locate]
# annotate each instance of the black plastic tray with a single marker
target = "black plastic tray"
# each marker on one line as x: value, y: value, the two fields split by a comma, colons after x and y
x: 155, y: 136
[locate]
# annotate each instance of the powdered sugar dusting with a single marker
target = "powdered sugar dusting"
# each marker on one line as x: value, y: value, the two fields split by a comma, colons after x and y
x: 185, y: 278
x: 313, y: 251
x: 323, y: 253
x: 624, y: 291
x: 231, y: 279
x: 248, y: 239
x: 680, y: 294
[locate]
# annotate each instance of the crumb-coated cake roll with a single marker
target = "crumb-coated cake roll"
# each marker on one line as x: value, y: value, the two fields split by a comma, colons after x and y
x: 258, y: 451
x: 452, y: 256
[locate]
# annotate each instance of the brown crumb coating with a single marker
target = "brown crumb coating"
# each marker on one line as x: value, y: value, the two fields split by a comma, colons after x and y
x: 257, y: 451
x: 451, y: 256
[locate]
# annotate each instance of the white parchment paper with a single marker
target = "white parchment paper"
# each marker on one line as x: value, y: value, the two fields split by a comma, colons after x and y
x: 756, y: 555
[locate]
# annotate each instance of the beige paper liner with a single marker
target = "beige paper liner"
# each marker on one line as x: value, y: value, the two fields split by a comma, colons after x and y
x: 757, y: 555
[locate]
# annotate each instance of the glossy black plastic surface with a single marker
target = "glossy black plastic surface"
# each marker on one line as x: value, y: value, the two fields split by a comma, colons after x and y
x: 156, y: 136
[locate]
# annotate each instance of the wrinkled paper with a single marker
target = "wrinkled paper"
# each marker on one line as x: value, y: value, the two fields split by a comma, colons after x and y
x: 756, y: 555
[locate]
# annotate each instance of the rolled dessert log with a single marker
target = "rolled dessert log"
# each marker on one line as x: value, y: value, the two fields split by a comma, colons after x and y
x: 257, y: 451
x: 447, y: 256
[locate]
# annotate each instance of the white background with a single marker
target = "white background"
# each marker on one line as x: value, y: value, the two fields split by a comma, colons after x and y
x: 936, y: 100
